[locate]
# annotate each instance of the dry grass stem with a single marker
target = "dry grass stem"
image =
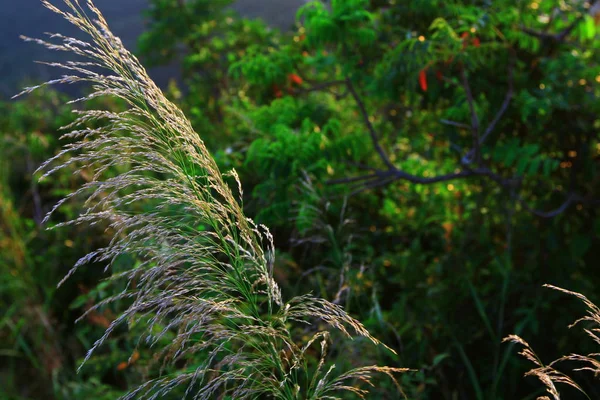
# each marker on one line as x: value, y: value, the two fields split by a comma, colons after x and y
x: 548, y: 374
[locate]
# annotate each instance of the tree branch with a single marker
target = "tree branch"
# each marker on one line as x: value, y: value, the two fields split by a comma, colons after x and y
x: 455, y: 124
x: 320, y: 86
x: 505, y: 103
x: 367, y: 121
x: 553, y: 37
x: 473, y: 111
x: 396, y: 174
x: 553, y: 213
x: 474, y: 152
x: 378, y: 177
x: 375, y: 175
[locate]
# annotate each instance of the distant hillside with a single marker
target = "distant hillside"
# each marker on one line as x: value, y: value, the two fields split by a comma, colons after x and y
x: 279, y: 13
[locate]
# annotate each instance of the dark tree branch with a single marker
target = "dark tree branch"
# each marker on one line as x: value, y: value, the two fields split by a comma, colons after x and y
x: 553, y: 37
x: 455, y: 124
x: 378, y: 178
x: 505, y: 103
x: 474, y: 118
x: 371, y: 185
x: 375, y: 175
x: 571, y: 198
x: 473, y: 153
x: 396, y: 174
x: 361, y: 166
x: 367, y: 121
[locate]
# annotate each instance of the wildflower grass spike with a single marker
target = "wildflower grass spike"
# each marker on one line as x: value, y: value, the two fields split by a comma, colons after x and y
x: 203, y: 288
x: 548, y: 374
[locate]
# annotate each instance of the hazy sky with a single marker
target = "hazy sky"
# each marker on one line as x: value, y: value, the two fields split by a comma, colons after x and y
x: 30, y: 18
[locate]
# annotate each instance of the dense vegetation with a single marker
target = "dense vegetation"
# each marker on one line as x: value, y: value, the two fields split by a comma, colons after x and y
x: 428, y: 165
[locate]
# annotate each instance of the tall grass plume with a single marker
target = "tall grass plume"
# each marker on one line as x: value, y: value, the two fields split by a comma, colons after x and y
x: 204, y: 283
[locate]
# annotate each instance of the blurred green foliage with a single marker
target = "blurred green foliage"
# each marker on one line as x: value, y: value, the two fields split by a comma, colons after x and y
x: 441, y: 272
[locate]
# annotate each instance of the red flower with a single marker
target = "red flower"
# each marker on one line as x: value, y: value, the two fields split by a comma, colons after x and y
x: 295, y: 79
x: 464, y: 37
x: 475, y: 41
x: 423, y: 79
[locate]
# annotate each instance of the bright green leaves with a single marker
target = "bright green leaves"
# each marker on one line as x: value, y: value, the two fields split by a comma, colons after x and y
x: 344, y: 23
x: 587, y: 30
x: 291, y: 145
x: 442, y: 30
x: 287, y: 151
x: 174, y: 22
x: 265, y: 67
x: 209, y: 38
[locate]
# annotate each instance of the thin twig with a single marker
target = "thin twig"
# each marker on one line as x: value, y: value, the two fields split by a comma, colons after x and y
x: 396, y: 174
x: 319, y: 86
x: 473, y: 111
x: 369, y: 125
x: 371, y: 185
x: 360, y: 166
x: 549, y: 214
x: 38, y: 213
x: 554, y: 37
x: 376, y: 175
x: 455, y: 124
x: 505, y: 103
x: 473, y: 154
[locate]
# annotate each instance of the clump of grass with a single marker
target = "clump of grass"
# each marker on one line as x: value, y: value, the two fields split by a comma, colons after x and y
x: 206, y: 271
x: 548, y: 374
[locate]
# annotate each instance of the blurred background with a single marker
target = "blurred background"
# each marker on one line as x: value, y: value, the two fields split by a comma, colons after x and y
x: 127, y: 21
x: 438, y: 243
